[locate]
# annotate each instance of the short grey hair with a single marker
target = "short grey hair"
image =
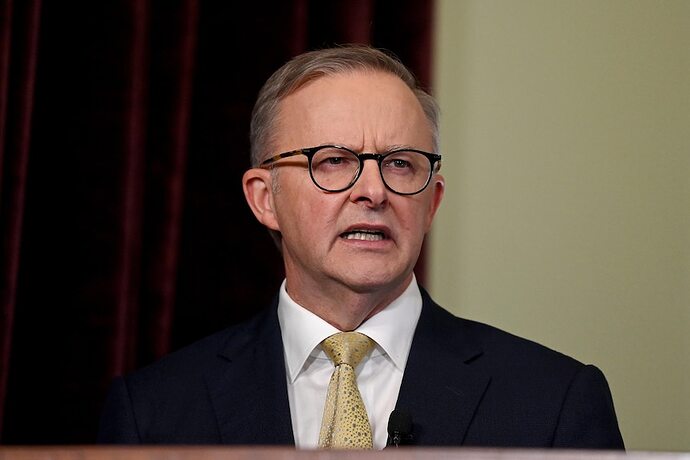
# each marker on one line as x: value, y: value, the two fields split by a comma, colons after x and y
x: 313, y: 65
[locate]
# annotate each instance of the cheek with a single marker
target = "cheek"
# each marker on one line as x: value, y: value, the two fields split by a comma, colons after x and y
x: 414, y: 220
x: 306, y: 216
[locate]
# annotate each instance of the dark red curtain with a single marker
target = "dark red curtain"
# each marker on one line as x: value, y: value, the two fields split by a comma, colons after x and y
x: 123, y: 139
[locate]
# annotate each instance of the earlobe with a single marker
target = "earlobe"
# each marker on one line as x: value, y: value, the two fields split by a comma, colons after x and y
x: 257, y: 186
x: 438, y: 185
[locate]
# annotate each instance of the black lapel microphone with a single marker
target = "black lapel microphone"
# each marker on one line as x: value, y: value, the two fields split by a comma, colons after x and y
x: 399, y: 428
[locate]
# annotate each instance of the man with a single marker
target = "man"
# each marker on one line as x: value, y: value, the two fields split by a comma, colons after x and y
x: 345, y: 176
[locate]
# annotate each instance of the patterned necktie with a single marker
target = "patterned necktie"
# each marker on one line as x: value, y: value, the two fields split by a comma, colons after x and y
x: 345, y: 421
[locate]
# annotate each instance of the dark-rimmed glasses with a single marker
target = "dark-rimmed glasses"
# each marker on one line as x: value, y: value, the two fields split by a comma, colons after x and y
x: 334, y: 168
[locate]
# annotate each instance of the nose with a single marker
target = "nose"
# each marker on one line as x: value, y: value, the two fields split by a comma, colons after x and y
x: 369, y: 188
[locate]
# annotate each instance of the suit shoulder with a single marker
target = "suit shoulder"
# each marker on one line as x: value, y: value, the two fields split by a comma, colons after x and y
x: 176, y: 399
x: 515, y: 349
x: 194, y: 360
x: 499, y: 348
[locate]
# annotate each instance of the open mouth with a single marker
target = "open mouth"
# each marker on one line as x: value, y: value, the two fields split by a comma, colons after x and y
x: 363, y: 235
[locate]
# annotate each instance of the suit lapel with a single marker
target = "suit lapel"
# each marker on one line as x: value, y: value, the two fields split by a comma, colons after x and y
x: 250, y: 380
x: 440, y: 389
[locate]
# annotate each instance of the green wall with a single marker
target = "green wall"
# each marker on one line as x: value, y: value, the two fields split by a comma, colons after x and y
x: 566, y: 142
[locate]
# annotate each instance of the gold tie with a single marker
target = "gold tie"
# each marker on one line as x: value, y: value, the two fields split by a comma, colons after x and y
x: 345, y: 421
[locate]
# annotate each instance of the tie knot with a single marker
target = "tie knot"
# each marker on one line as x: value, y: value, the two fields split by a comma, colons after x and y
x: 347, y: 348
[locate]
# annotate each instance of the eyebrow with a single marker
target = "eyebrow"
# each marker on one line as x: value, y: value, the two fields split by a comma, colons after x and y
x: 402, y: 147
x: 387, y: 149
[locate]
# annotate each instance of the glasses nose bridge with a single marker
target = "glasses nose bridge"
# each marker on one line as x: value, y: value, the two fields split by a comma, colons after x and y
x: 377, y: 157
x: 364, y: 156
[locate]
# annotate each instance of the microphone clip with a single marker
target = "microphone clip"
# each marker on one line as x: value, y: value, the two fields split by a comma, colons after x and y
x: 399, y: 429
x: 397, y: 439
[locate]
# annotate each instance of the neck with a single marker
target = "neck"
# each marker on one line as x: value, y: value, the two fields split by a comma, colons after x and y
x: 341, y: 306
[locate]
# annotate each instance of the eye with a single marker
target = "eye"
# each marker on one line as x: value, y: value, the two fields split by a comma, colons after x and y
x: 399, y: 163
x: 334, y: 158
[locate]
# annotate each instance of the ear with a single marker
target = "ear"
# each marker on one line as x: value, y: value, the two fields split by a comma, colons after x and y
x: 258, y: 191
x: 438, y: 187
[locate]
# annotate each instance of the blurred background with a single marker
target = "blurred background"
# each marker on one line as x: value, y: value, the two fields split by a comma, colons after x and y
x: 566, y: 142
x: 123, y: 137
x: 125, y: 233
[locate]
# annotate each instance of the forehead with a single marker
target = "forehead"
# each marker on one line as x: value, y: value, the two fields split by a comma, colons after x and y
x: 359, y: 109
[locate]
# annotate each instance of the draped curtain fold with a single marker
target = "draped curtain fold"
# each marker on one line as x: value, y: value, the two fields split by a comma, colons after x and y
x: 123, y: 139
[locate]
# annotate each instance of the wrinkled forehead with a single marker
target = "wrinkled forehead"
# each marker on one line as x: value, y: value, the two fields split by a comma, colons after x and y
x: 359, y: 109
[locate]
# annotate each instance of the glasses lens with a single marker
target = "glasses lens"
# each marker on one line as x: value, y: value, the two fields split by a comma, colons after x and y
x: 334, y: 168
x: 406, y: 171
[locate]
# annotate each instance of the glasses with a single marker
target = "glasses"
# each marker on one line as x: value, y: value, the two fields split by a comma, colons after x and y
x: 334, y: 168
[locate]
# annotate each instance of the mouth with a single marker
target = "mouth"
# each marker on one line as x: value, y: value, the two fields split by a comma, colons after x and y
x: 364, y: 234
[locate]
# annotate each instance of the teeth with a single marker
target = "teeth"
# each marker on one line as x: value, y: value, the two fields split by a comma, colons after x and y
x: 365, y: 236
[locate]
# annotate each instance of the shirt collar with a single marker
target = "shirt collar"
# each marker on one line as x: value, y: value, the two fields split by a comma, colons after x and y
x: 392, y: 328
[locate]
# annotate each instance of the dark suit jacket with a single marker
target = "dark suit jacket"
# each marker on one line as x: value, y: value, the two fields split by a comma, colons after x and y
x: 465, y: 383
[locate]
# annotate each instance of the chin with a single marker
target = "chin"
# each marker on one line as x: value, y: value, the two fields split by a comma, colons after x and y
x: 371, y: 282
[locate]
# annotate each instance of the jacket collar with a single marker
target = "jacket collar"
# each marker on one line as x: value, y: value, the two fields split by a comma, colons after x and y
x: 440, y: 389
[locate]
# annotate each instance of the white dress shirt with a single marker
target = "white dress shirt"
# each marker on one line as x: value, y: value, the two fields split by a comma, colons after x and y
x: 379, y: 375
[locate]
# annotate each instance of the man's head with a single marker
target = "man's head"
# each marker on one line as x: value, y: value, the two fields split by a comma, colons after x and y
x: 310, y: 66
x: 358, y: 245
